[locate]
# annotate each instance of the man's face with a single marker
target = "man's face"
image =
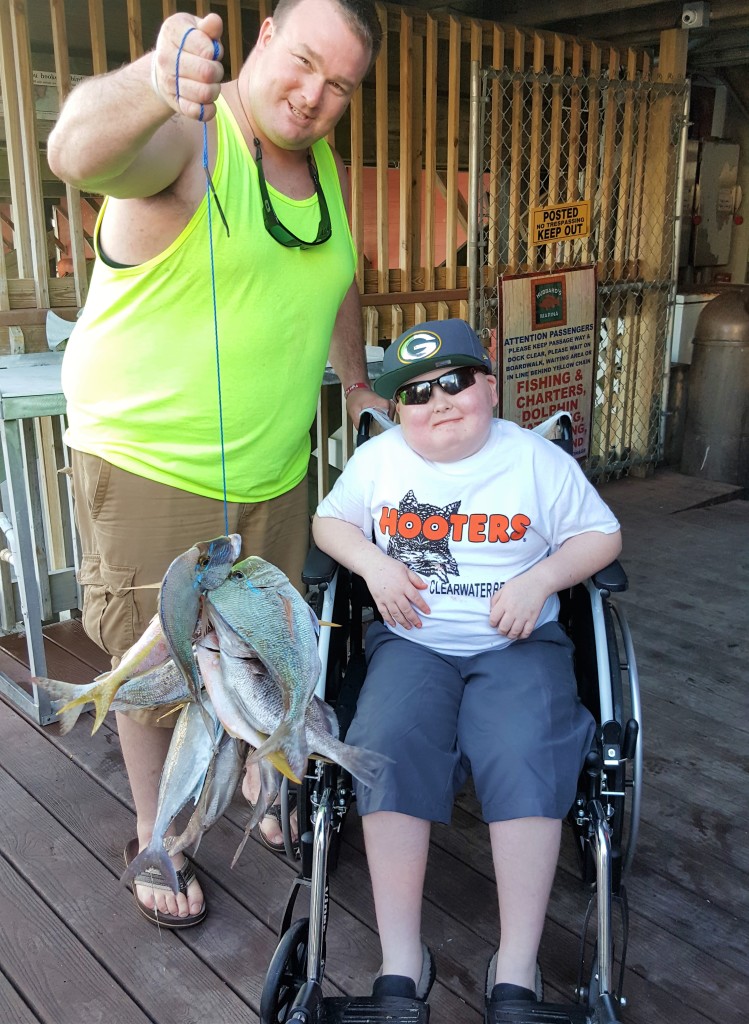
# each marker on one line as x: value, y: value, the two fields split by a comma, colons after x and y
x: 450, y: 427
x: 304, y: 73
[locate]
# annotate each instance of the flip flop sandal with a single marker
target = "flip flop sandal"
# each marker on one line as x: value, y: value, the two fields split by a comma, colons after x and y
x: 274, y: 811
x: 153, y: 879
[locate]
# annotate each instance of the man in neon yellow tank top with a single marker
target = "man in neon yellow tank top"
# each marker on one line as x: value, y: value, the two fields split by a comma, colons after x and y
x: 141, y: 373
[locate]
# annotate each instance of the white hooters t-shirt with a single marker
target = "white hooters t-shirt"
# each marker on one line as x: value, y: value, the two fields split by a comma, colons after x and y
x: 467, y: 527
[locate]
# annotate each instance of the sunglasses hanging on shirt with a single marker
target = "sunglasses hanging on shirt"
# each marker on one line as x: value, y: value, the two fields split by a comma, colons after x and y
x: 273, y: 225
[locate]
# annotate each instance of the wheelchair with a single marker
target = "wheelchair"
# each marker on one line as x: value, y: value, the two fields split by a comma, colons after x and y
x: 604, y: 818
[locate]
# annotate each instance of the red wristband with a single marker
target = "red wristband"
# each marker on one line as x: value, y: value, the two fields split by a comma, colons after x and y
x: 353, y: 387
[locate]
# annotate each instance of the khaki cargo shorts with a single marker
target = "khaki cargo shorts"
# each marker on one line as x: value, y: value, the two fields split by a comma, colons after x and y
x: 131, y: 529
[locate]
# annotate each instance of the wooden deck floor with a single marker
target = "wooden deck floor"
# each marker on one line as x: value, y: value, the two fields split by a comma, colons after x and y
x: 73, y: 950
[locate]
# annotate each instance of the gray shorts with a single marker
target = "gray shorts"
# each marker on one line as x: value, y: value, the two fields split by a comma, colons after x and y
x: 509, y: 717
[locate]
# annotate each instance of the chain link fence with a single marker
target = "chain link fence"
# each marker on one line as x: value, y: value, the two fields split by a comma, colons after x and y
x: 546, y: 140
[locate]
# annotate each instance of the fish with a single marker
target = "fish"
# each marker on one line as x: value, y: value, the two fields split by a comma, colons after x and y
x: 256, y: 607
x: 261, y: 701
x: 191, y: 751
x: 226, y: 705
x: 164, y: 684
x: 270, y: 784
x: 200, y: 569
x: 218, y: 789
x: 149, y: 651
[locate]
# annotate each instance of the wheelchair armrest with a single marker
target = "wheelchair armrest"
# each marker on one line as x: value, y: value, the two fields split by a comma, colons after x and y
x: 319, y: 568
x: 612, y: 578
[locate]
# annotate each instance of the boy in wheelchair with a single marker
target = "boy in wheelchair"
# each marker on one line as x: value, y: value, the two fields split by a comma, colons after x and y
x: 477, y: 525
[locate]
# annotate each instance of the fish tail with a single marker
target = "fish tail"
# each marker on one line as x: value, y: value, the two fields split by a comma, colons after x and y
x: 67, y: 716
x: 102, y: 697
x: 364, y: 765
x: 154, y: 858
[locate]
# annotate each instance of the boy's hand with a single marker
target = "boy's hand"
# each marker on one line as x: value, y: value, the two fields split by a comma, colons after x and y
x: 516, y: 607
x: 395, y: 589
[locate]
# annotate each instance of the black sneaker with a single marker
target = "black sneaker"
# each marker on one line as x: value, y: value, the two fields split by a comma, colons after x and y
x: 407, y: 988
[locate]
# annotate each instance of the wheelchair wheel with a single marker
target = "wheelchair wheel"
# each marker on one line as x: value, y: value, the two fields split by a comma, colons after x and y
x: 286, y: 974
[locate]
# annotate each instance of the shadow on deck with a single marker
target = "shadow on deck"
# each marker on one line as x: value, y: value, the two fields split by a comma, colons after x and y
x: 73, y: 950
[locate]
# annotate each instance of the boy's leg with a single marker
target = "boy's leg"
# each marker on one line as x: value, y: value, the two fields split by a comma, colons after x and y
x: 407, y: 710
x: 525, y: 852
x: 397, y: 849
x: 525, y: 733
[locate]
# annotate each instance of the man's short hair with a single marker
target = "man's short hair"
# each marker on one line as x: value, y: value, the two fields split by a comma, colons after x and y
x: 359, y: 15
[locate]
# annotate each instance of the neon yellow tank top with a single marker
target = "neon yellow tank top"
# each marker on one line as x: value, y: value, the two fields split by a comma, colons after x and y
x: 140, y: 370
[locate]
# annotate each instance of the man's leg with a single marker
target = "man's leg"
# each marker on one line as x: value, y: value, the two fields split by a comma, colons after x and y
x: 525, y: 852
x: 131, y: 529
x: 397, y: 849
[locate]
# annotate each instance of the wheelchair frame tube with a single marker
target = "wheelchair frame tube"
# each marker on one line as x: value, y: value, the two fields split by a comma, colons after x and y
x: 602, y: 659
x: 636, y: 713
x: 318, y: 888
x: 603, y: 887
x: 323, y: 643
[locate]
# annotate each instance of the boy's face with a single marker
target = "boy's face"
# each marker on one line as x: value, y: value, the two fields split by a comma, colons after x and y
x: 450, y: 427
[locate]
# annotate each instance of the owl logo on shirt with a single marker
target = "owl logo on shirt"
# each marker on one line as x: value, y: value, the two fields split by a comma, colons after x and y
x: 423, y: 554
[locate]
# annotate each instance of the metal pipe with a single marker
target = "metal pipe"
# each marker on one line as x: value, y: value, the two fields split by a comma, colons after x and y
x: 603, y: 895
x: 318, y: 888
x: 474, y: 172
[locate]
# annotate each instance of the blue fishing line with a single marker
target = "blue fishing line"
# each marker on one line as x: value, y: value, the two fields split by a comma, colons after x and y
x: 208, y: 189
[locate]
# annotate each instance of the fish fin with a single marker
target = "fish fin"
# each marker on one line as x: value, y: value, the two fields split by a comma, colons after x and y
x: 290, y: 741
x: 364, y: 765
x: 153, y: 857
x: 60, y: 690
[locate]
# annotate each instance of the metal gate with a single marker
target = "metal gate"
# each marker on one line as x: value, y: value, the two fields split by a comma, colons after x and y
x: 540, y: 140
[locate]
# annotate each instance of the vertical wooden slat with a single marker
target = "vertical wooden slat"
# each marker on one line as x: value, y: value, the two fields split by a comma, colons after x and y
x: 536, y: 137
x: 169, y: 7
x: 406, y: 149
x: 265, y: 9
x: 202, y: 7
x: 554, y: 253
x: 357, y: 182
x: 625, y: 173
x: 135, y: 29
x: 234, y: 31
x: 496, y: 139
x: 30, y: 153
x: 453, y: 139
x: 605, y: 233
x: 396, y: 320
x: 417, y: 154
x: 382, y: 118
x: 591, y: 152
x: 641, y: 118
x: 73, y: 196
x: 516, y: 155
x: 573, y: 122
x: 98, y: 36
x: 12, y: 119
x: 430, y: 148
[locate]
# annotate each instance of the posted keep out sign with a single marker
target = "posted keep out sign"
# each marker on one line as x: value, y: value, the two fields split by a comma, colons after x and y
x: 547, y: 349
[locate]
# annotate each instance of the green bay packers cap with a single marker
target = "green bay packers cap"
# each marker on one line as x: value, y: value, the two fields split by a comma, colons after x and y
x: 429, y: 346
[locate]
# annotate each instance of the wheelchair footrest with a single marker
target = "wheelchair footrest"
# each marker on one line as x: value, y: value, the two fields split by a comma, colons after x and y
x: 366, y: 1010
x: 542, y: 1013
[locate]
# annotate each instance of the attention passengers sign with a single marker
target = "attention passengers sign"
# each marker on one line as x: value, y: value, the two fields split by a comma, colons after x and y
x: 560, y: 223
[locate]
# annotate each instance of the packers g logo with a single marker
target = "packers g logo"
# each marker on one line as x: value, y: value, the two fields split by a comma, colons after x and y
x: 420, y: 345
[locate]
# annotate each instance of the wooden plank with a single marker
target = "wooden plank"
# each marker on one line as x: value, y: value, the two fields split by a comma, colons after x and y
x: 555, y: 253
x: 405, y: 255
x: 453, y: 141
x: 628, y: 148
x: 356, y: 170
x: 13, y: 114
x: 11, y: 1006
x: 382, y: 115
x: 516, y: 157
x: 430, y: 149
x: 537, y: 132
x: 234, y: 34
x: 135, y: 29
x: 570, y: 252
x: 98, y: 36
x: 591, y: 151
x: 417, y: 149
x: 496, y: 158
x: 608, y: 169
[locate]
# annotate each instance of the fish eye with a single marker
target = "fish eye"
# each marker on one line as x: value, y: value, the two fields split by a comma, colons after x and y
x: 236, y: 575
x: 203, y: 561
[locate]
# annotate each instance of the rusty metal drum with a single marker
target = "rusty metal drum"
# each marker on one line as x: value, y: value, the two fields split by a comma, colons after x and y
x: 716, y: 433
